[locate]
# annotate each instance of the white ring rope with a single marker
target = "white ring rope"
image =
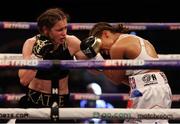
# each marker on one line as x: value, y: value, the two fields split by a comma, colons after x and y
x: 88, y: 26
x: 82, y: 113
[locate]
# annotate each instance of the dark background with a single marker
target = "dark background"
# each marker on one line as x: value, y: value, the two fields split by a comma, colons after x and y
x: 84, y: 11
x: 95, y: 10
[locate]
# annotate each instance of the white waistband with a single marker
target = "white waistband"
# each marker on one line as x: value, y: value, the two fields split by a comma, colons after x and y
x: 146, y: 79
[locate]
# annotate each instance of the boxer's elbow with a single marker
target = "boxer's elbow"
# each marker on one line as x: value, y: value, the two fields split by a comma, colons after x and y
x: 24, y: 81
x: 25, y: 77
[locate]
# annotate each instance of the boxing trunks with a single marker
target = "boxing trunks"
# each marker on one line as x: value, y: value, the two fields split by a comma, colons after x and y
x: 151, y: 91
x: 34, y: 99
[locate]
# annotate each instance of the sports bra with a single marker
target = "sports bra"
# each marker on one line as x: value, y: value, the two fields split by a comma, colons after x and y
x: 143, y: 55
x: 61, y: 53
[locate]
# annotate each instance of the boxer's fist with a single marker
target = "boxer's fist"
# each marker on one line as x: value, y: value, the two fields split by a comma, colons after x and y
x: 90, y: 46
x: 42, y: 46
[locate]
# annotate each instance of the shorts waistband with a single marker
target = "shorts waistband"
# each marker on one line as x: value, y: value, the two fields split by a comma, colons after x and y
x: 146, y: 79
x: 46, y: 99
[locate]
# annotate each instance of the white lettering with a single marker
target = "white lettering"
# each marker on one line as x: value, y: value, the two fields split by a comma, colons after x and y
x: 55, y: 90
x: 15, y: 25
x: 19, y: 62
x: 124, y: 62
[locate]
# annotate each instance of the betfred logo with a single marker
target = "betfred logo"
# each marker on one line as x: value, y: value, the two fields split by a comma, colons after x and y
x: 18, y: 63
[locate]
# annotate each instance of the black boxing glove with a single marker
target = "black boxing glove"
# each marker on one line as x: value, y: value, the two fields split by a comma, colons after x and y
x: 90, y: 46
x: 42, y: 46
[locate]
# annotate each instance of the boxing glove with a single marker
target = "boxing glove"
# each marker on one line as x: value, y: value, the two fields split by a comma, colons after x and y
x: 42, y: 46
x: 90, y: 46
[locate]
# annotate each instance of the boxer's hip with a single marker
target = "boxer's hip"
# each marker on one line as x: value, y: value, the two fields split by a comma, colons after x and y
x: 150, y: 90
x: 38, y: 99
x: 147, y: 79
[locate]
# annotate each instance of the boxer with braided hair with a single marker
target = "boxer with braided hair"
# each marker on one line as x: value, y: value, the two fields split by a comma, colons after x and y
x: 149, y: 87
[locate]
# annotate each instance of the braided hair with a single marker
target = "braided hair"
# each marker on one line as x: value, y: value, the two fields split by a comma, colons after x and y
x: 98, y: 29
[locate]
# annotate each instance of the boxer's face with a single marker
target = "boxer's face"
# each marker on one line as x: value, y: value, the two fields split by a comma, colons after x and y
x: 58, y: 32
x: 106, y: 40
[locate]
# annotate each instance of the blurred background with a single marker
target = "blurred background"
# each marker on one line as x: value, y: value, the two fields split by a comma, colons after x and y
x: 91, y: 11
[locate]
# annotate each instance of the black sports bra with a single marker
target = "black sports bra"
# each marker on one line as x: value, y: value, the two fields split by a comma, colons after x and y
x: 61, y: 53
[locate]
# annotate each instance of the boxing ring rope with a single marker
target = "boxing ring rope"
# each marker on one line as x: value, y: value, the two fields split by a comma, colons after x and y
x: 82, y: 113
x: 90, y: 64
x: 87, y: 26
x: 9, y: 97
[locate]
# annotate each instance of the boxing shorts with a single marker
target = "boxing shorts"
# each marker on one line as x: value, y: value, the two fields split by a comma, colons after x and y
x: 35, y: 99
x: 150, y: 91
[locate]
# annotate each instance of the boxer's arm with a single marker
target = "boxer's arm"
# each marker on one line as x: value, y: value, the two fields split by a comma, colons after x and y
x: 112, y: 75
x: 90, y: 46
x: 78, y: 49
x: 116, y: 76
x: 26, y: 75
x: 74, y: 47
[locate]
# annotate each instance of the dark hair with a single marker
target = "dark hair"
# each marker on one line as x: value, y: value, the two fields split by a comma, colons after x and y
x: 101, y: 26
x: 50, y: 17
